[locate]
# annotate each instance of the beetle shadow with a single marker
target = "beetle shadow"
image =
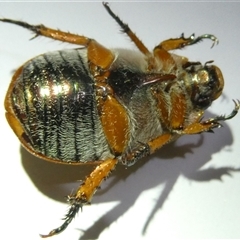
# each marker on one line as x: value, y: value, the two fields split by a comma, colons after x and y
x: 184, y: 157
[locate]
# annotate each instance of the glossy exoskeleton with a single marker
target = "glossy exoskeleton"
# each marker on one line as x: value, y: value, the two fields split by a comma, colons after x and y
x: 108, y: 106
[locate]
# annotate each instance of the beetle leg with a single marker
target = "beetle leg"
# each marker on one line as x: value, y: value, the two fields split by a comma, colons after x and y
x: 144, y: 150
x: 200, y: 127
x: 139, y: 44
x: 114, y: 119
x: 181, y: 42
x: 125, y: 28
x: 85, y: 192
x: 195, y: 128
x: 99, y: 57
x: 137, y: 153
x: 159, y: 142
x: 161, y: 50
x: 210, y: 124
x: 179, y: 110
x: 41, y: 30
x: 175, y: 118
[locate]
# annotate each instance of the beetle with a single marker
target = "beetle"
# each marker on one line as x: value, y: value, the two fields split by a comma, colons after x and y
x: 109, y: 106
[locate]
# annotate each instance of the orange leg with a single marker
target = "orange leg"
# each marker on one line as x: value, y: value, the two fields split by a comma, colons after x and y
x: 179, y: 108
x: 100, y: 58
x: 162, y: 106
x: 181, y: 42
x: 85, y: 192
x: 114, y: 119
x: 172, y: 113
x: 161, y: 50
x: 159, y: 142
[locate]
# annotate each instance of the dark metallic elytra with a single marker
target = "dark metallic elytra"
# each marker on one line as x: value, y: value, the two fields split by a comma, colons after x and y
x: 54, y: 98
x: 109, y: 106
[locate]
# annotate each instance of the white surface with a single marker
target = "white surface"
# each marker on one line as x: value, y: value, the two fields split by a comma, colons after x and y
x: 166, y: 195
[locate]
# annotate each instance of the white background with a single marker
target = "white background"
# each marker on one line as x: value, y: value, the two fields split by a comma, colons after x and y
x: 174, y: 193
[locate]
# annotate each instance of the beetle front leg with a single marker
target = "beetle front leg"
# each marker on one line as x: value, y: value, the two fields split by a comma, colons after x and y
x: 99, y: 57
x: 181, y: 42
x: 85, y: 192
x: 161, y: 51
x: 210, y: 124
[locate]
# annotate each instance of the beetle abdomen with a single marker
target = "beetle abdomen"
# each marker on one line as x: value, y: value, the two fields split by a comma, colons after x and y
x: 54, y: 98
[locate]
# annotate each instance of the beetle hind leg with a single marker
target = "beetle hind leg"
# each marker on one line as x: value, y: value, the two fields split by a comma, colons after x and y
x: 99, y: 57
x: 74, y: 208
x: 41, y: 30
x: 84, y: 194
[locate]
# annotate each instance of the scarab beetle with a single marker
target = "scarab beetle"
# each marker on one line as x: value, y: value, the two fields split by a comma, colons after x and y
x: 109, y: 106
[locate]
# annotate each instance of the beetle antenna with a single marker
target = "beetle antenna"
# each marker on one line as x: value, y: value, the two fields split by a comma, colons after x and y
x: 73, y: 210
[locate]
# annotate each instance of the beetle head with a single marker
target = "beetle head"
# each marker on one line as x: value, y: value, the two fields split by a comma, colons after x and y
x: 207, y: 84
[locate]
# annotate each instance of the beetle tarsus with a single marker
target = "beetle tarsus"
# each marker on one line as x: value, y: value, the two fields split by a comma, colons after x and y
x: 126, y: 29
x: 215, y: 121
x: 73, y: 210
x: 232, y: 114
x: 200, y: 38
x: 33, y: 28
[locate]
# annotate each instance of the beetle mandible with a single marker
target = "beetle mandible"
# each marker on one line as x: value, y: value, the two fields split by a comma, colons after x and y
x: 109, y: 106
